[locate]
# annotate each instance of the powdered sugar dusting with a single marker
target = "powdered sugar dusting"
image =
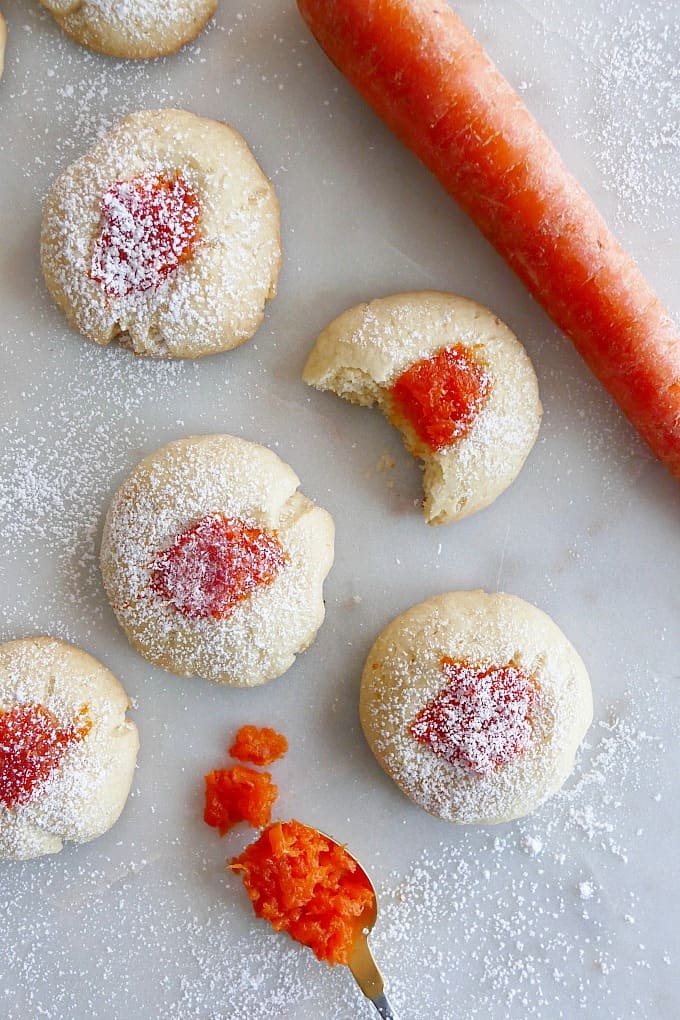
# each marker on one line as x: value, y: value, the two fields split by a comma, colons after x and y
x: 58, y: 463
x: 471, y: 921
x: 215, y: 564
x: 481, y: 719
x: 636, y: 153
x: 609, y: 51
x: 147, y: 13
x: 149, y: 228
x: 32, y: 745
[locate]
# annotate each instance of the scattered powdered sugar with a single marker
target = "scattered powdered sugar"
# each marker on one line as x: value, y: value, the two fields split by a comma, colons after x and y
x: 471, y: 923
x: 147, y: 14
x: 586, y: 890
x: 215, y: 564
x: 69, y: 435
x: 533, y: 845
x: 636, y: 153
x: 32, y: 745
x: 609, y: 51
x: 484, y: 922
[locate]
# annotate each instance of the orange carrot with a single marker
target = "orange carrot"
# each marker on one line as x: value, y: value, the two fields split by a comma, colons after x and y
x: 432, y: 83
x: 259, y: 745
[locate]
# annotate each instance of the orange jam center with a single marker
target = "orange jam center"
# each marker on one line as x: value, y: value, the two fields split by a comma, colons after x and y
x: 215, y: 564
x: 236, y: 795
x: 32, y: 744
x: 481, y: 719
x: 261, y: 746
x: 150, y: 226
x: 303, y: 883
x: 441, y: 396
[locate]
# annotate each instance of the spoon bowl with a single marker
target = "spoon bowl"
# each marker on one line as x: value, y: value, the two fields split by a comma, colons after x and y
x: 305, y: 903
x: 361, y: 963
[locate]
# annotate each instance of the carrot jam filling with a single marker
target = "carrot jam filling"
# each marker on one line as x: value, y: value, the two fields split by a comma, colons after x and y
x: 481, y: 719
x: 32, y: 744
x: 441, y: 396
x: 303, y: 883
x: 215, y: 564
x: 150, y: 226
x: 260, y: 746
x: 237, y: 795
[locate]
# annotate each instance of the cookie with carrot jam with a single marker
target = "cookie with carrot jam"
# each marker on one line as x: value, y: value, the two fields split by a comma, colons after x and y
x: 475, y: 704
x: 454, y: 380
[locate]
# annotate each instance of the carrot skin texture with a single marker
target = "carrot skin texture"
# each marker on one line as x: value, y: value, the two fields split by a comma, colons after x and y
x: 431, y: 82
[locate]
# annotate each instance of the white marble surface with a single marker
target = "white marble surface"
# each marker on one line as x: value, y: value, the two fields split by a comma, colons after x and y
x: 572, y: 912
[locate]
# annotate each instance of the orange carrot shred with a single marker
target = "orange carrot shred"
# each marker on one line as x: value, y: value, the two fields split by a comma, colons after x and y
x: 260, y: 746
x: 303, y: 883
x: 236, y: 795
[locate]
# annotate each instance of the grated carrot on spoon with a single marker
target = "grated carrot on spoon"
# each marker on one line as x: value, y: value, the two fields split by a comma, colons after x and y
x: 304, y: 883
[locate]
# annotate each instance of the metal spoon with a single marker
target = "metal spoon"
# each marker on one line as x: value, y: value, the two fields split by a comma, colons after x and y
x: 361, y: 963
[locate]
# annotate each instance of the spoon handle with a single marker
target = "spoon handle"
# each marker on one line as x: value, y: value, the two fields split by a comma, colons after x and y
x: 383, y: 1006
x: 369, y: 978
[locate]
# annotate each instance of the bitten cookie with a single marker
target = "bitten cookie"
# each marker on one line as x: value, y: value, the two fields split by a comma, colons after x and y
x: 475, y: 705
x: 454, y: 380
x: 67, y: 750
x: 165, y: 236
x: 214, y: 563
x: 120, y: 28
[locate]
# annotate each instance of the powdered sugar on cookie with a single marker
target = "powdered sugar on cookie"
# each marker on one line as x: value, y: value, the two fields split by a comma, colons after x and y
x: 481, y: 719
x: 454, y: 380
x: 218, y: 477
x: 120, y: 241
x: 149, y: 228
x: 511, y: 746
x: 135, y: 29
x: 215, y: 564
x: 66, y: 765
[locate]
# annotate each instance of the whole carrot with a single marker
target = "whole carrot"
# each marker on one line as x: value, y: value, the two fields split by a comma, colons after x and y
x: 426, y: 76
